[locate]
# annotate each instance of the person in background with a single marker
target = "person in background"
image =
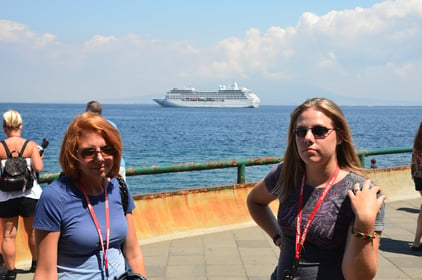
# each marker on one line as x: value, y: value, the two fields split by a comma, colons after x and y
x: 416, y: 170
x: 18, y: 203
x: 96, y: 107
x: 374, y: 164
x: 82, y: 231
x: 330, y: 217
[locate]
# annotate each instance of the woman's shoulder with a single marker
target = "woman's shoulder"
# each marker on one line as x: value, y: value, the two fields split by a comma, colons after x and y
x: 62, y: 185
x: 274, y: 173
x: 18, y: 144
x: 352, y: 178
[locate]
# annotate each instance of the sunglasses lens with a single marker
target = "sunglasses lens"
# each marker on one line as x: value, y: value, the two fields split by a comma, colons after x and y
x: 91, y: 153
x: 319, y: 131
x: 301, y: 131
x: 108, y: 151
x: 88, y: 153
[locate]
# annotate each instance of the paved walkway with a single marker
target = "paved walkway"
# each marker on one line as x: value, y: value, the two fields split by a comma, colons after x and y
x: 246, y: 253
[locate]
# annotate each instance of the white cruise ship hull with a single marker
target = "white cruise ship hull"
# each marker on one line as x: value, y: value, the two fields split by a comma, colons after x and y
x: 225, y: 97
x: 207, y: 104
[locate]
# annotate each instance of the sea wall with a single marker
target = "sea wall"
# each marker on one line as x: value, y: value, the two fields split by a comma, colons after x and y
x: 168, y: 215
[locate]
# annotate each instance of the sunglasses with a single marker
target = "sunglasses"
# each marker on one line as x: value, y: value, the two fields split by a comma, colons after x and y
x: 318, y: 131
x: 91, y: 153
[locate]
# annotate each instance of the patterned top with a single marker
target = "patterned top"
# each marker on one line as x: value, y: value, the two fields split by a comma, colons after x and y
x: 324, y: 246
x: 416, y: 166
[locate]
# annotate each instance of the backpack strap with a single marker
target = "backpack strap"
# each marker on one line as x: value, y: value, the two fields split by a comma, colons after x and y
x: 9, y: 155
x: 23, y: 148
x: 123, y: 193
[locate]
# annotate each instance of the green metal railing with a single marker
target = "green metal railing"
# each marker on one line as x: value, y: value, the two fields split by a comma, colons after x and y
x: 241, y: 165
x: 363, y: 154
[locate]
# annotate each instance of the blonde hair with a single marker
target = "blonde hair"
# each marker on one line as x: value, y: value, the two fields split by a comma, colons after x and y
x: 294, y: 167
x: 12, y: 119
x: 88, y: 122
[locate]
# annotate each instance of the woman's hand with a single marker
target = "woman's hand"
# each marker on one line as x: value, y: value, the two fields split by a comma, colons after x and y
x: 365, y: 204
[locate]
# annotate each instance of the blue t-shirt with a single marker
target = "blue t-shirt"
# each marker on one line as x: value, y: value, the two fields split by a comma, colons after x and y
x: 62, y: 207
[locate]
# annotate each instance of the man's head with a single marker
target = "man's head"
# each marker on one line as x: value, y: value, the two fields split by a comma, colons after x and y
x: 94, y: 106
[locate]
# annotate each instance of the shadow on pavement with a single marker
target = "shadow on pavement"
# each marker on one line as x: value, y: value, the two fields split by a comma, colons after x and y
x: 397, y: 247
x: 408, y: 210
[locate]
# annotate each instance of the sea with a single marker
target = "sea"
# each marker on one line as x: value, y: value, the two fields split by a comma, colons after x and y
x: 154, y: 135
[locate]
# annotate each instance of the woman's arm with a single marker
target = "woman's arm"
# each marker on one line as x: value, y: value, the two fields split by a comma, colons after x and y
x: 131, y: 249
x: 258, y: 201
x: 360, y: 259
x: 36, y: 159
x: 47, y: 243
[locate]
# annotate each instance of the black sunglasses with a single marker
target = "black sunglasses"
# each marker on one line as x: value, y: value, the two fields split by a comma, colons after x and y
x: 318, y: 131
x: 91, y: 153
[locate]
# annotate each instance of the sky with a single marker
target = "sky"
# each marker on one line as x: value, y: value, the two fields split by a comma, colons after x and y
x: 356, y: 52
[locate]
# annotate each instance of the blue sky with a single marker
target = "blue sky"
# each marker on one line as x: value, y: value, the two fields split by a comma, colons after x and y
x: 354, y: 52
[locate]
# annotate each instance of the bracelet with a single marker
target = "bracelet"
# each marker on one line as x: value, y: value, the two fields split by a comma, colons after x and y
x: 363, y: 235
x: 276, y: 239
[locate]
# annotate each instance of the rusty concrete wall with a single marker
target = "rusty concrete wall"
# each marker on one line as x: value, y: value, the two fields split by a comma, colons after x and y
x: 396, y: 183
x: 172, y: 214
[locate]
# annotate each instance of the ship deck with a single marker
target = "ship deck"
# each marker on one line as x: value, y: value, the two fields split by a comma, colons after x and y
x: 246, y: 253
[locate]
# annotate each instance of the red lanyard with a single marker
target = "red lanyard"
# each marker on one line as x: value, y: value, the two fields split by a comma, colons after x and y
x: 300, y: 238
x: 97, y: 225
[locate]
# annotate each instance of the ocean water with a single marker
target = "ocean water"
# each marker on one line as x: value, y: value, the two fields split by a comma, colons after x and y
x: 156, y: 135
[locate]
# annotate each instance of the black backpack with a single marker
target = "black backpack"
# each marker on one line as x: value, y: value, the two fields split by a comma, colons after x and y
x: 15, y: 175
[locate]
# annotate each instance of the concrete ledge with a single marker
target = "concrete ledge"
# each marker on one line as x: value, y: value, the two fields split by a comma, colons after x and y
x: 396, y: 183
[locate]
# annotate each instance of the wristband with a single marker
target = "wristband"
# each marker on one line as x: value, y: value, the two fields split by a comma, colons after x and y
x: 276, y: 239
x: 363, y: 235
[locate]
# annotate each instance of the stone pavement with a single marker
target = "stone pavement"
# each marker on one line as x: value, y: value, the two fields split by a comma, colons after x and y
x: 246, y: 253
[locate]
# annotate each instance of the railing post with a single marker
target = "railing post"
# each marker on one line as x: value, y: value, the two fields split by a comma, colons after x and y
x: 241, y: 177
x: 362, y: 159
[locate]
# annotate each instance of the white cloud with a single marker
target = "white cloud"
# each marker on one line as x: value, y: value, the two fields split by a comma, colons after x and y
x: 12, y: 32
x: 342, y: 52
x: 99, y: 41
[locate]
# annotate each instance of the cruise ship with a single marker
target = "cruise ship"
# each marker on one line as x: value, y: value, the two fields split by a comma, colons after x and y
x: 225, y: 97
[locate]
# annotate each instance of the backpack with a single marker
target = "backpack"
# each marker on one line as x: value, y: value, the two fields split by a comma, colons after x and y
x: 15, y: 173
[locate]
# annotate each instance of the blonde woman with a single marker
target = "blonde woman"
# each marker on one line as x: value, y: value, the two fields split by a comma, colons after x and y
x: 330, y: 217
x: 18, y: 203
